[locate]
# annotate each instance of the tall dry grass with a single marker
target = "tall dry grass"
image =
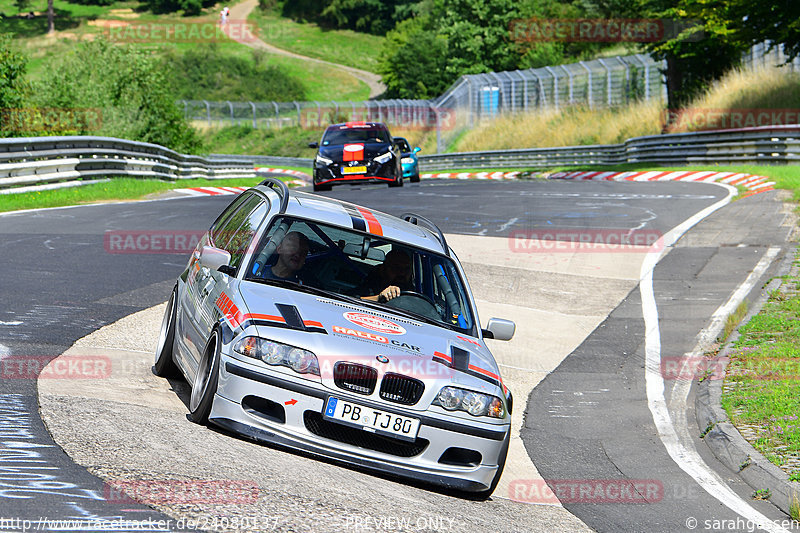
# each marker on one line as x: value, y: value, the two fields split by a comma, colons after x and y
x: 740, y: 98
x: 741, y: 91
x: 567, y: 127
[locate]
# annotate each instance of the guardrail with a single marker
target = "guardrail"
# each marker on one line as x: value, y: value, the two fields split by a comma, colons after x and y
x: 35, y: 163
x: 760, y: 145
x: 43, y: 160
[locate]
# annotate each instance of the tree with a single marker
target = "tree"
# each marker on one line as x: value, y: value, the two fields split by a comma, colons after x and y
x: 129, y: 88
x: 413, y: 61
x: 51, y: 27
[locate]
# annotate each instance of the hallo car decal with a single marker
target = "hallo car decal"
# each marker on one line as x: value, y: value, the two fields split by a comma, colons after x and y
x: 375, y: 323
x: 353, y: 152
x: 360, y: 334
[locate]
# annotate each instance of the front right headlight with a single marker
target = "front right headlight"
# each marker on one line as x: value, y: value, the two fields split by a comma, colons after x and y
x: 383, y: 158
x: 474, y: 403
x: 278, y: 354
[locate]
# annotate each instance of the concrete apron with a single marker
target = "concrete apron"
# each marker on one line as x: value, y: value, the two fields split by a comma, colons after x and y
x: 557, y: 297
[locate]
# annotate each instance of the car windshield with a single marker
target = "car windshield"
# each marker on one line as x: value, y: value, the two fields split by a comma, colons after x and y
x: 355, y: 134
x: 403, y: 145
x: 352, y: 264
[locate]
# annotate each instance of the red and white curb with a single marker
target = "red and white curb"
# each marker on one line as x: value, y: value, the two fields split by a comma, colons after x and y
x: 304, y: 179
x: 753, y: 184
x: 474, y: 175
x: 211, y: 191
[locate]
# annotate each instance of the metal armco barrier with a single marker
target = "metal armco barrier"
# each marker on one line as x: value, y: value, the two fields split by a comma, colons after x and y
x: 761, y: 145
x: 38, y: 162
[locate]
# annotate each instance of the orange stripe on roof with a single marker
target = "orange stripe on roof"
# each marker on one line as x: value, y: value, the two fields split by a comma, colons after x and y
x: 373, y: 225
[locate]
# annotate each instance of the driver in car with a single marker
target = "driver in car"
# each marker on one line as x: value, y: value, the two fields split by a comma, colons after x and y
x: 291, y: 253
x: 386, y: 280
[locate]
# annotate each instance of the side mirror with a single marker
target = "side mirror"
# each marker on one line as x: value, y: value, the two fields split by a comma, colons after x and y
x: 417, y: 149
x: 499, y: 329
x: 313, y: 145
x: 214, y: 258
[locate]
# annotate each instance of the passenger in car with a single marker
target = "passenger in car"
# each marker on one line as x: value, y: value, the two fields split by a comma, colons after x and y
x: 385, y: 281
x: 291, y: 253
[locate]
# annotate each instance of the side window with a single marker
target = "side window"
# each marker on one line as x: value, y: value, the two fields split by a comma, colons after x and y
x: 222, y: 219
x: 238, y: 231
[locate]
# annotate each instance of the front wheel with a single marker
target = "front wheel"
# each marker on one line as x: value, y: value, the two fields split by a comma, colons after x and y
x: 164, y: 365
x: 414, y: 178
x: 397, y: 183
x: 205, y: 381
x: 319, y: 188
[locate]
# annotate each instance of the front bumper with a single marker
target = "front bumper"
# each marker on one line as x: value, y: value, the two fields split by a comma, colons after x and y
x: 287, y: 411
x: 375, y: 172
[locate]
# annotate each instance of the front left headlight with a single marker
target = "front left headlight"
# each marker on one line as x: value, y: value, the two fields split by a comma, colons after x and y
x: 323, y: 160
x: 407, y: 161
x: 278, y: 354
x: 383, y: 158
x: 474, y: 403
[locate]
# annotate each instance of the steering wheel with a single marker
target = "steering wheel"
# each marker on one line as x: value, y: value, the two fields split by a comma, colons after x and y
x: 415, y: 302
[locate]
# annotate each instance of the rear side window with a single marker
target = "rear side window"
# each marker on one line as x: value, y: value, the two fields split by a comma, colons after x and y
x: 236, y: 234
x: 222, y: 220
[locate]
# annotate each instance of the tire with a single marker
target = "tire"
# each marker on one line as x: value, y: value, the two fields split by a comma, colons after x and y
x: 397, y: 183
x: 164, y: 365
x: 319, y: 188
x: 414, y: 178
x: 205, y: 381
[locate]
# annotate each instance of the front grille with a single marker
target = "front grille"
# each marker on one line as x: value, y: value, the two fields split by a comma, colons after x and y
x: 355, y: 378
x: 401, y: 389
x: 363, y: 439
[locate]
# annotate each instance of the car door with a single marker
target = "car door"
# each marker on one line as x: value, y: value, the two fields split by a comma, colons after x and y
x: 202, y: 280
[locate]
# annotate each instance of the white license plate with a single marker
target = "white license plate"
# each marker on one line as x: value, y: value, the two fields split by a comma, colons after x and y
x: 354, y: 170
x: 372, y: 420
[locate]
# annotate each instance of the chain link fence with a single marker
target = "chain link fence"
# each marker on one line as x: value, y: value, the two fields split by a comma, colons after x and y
x: 604, y: 82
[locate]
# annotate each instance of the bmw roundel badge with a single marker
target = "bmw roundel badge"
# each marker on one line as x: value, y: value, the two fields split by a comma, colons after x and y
x: 382, y: 359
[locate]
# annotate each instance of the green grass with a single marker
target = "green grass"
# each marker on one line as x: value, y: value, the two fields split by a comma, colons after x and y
x: 344, y: 47
x: 75, y: 22
x: 116, y: 189
x: 763, y: 377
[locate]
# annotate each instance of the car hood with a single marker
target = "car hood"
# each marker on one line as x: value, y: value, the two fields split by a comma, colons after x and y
x: 370, y: 150
x: 338, y: 330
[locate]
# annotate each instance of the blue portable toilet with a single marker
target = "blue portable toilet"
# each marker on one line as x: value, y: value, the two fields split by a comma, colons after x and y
x: 490, y: 100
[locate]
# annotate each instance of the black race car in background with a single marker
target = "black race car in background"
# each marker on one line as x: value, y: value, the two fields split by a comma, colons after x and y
x: 356, y: 152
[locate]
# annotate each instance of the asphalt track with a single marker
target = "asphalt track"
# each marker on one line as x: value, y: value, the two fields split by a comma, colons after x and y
x: 59, y: 284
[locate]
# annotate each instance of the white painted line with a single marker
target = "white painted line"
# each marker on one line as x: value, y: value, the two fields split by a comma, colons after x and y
x: 683, y: 453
